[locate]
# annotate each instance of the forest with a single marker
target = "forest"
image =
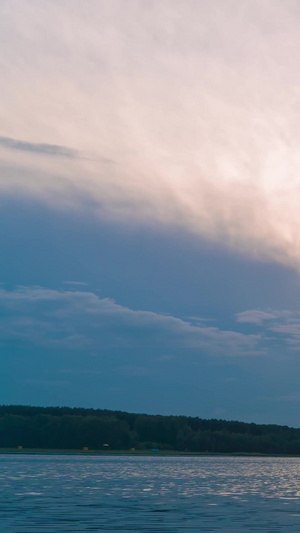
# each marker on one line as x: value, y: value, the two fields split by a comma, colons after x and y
x: 68, y: 428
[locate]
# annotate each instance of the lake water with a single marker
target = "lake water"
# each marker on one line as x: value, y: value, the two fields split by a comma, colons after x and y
x: 57, y: 493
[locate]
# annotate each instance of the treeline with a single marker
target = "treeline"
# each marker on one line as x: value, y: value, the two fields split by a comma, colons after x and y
x: 75, y: 428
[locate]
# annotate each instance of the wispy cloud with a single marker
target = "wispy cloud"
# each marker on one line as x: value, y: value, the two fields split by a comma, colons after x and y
x: 284, y: 324
x: 39, y: 148
x: 195, y: 102
x: 254, y: 316
x: 76, y: 283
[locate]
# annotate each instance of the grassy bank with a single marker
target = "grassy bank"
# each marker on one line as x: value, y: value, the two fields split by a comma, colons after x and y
x: 174, y: 453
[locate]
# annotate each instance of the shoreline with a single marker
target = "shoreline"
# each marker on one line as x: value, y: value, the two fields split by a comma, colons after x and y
x: 163, y: 453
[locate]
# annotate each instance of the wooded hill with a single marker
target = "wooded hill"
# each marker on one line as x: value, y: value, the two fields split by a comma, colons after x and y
x: 75, y: 428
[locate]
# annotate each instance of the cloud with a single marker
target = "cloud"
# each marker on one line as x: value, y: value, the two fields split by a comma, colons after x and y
x: 77, y: 283
x: 292, y: 397
x: 283, y: 323
x: 45, y: 383
x: 195, y: 103
x: 254, y: 316
x: 82, y: 320
x: 39, y: 148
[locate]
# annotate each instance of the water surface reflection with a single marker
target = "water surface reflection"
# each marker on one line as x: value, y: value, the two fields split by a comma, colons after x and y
x: 57, y: 493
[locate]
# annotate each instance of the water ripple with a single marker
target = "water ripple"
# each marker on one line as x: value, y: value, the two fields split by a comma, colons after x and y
x: 148, y: 494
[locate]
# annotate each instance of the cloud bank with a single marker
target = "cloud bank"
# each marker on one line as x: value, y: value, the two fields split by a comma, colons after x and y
x: 80, y: 320
x: 187, y: 112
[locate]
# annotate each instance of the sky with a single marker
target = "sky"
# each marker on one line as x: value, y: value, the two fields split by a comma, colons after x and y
x: 149, y: 206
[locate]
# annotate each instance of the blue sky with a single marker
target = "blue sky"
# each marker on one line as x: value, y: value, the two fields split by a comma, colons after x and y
x: 149, y: 182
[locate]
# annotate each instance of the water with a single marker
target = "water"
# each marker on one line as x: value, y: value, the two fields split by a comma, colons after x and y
x: 56, y: 493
